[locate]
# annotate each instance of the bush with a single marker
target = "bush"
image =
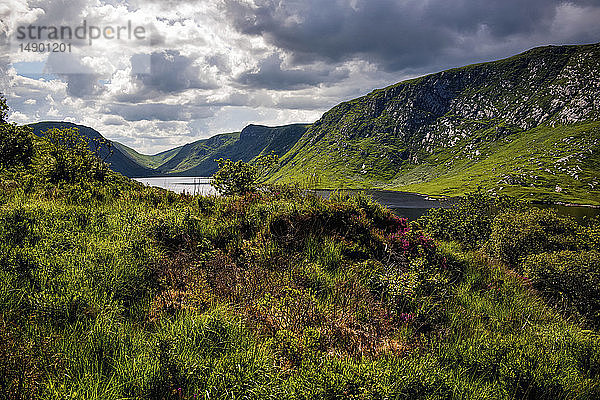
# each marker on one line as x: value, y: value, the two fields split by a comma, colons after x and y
x: 516, y: 235
x: 570, y: 280
x: 234, y: 177
x: 3, y: 109
x: 589, y: 236
x: 239, y: 177
x: 468, y: 221
x: 67, y: 157
x: 16, y: 145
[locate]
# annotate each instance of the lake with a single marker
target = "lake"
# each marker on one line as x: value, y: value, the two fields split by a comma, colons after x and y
x: 191, y: 185
x: 403, y: 204
x: 407, y: 205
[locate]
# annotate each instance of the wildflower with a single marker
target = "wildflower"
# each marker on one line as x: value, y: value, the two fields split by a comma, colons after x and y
x: 406, y: 317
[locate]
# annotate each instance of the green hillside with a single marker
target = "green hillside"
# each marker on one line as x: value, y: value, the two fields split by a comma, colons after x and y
x: 148, y: 161
x: 198, y: 158
x: 526, y: 125
x: 110, y: 289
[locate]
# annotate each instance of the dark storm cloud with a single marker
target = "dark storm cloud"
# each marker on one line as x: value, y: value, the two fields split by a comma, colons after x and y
x: 82, y: 81
x: 157, y: 112
x: 171, y: 72
x: 395, y: 34
x: 271, y: 75
x: 83, y: 85
x: 164, y: 73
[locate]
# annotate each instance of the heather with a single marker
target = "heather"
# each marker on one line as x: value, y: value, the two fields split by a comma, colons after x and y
x: 112, y: 290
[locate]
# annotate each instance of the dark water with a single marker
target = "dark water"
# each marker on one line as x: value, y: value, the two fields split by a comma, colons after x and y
x: 403, y: 204
x: 580, y: 213
x: 407, y: 205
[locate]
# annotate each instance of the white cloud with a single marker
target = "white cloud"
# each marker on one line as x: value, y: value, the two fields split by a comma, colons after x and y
x: 211, y: 73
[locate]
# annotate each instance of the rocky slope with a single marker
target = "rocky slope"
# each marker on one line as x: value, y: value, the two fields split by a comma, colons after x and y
x: 527, y: 124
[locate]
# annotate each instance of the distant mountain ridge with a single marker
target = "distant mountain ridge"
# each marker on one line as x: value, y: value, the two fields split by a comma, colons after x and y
x: 193, y: 159
x: 197, y: 158
x: 528, y: 125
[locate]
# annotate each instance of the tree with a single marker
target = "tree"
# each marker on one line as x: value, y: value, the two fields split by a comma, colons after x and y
x: 68, y: 157
x: 3, y: 109
x: 16, y: 143
x: 240, y: 177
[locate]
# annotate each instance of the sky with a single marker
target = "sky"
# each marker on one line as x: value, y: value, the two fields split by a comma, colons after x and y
x: 193, y: 69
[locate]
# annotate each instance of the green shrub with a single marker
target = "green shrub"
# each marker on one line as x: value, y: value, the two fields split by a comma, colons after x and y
x: 16, y: 145
x: 516, y: 235
x: 589, y: 236
x: 234, y: 177
x: 240, y: 177
x: 469, y: 220
x: 66, y: 157
x: 569, y: 279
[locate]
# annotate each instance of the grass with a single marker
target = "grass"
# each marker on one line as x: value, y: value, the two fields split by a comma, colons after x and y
x: 533, y: 175
x: 148, y: 294
x: 112, y: 290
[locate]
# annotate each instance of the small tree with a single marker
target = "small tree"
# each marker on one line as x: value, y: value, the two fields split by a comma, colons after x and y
x: 3, y: 109
x: 16, y: 143
x: 240, y: 177
x: 69, y: 159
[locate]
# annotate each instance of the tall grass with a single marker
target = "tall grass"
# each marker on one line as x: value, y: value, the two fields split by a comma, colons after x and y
x: 141, y: 293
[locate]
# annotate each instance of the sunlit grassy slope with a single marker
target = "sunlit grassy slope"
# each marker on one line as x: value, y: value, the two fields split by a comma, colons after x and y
x: 113, y: 290
x: 149, y: 161
x: 542, y: 164
x: 526, y: 125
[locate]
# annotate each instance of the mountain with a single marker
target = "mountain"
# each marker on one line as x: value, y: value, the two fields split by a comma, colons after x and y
x: 147, y: 161
x: 193, y: 159
x: 526, y: 125
x: 197, y: 158
x: 120, y: 160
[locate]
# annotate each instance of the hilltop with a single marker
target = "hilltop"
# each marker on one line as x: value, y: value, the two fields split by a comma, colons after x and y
x: 527, y: 125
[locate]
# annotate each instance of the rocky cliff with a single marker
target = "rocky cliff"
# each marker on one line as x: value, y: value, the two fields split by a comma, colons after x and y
x: 529, y: 121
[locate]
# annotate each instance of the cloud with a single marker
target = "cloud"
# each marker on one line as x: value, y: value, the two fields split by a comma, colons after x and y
x: 305, y: 102
x: 271, y: 75
x: 160, y: 74
x: 82, y: 80
x: 171, y: 72
x: 412, y: 34
x: 114, y: 120
x: 157, y: 112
